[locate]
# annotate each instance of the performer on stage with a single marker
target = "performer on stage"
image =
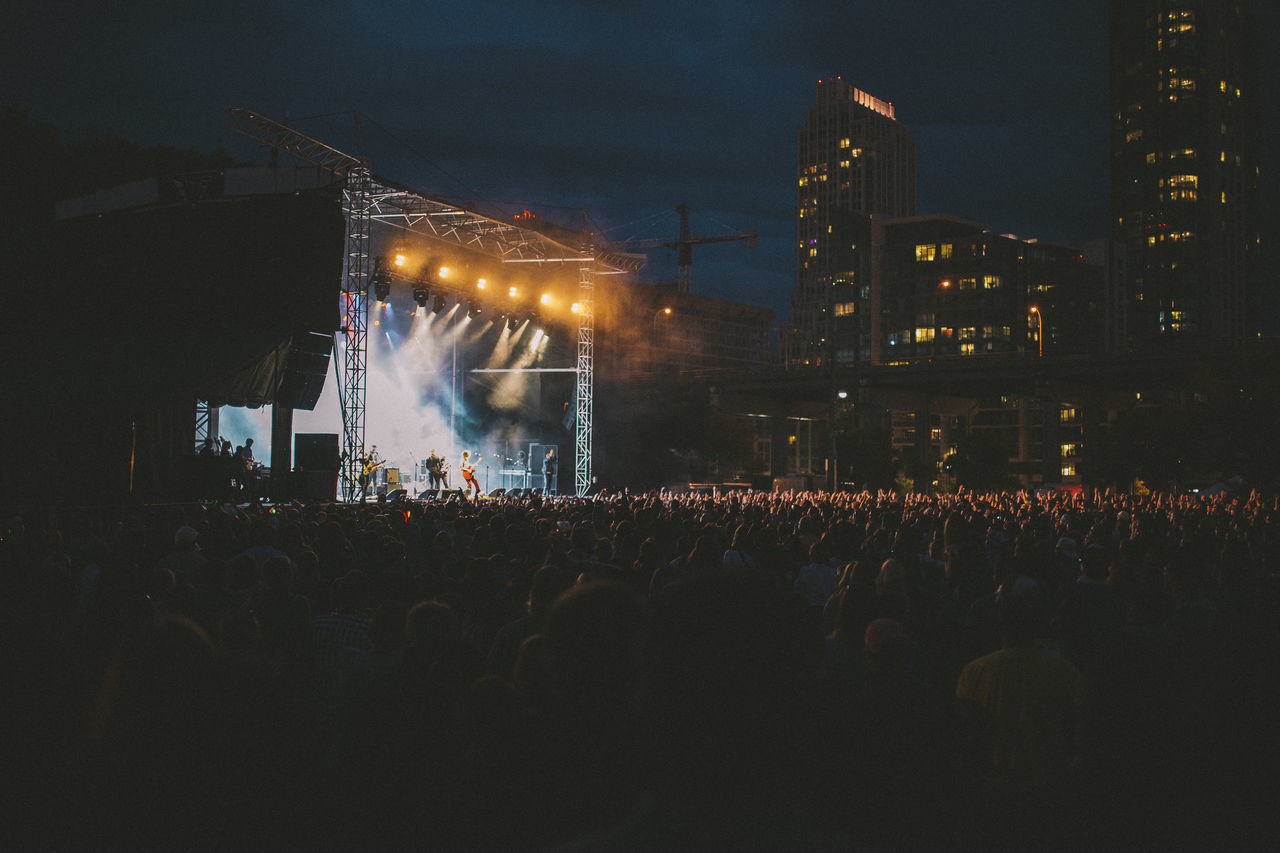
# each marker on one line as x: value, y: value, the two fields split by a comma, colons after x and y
x: 549, y: 465
x: 369, y: 463
x: 248, y: 473
x: 435, y: 476
x: 468, y: 468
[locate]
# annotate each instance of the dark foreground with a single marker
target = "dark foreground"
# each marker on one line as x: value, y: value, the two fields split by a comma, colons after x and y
x: 645, y: 673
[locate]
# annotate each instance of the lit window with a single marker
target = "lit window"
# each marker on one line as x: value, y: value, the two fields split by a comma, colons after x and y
x: 988, y: 331
x: 1068, y: 449
x: 968, y: 284
x: 924, y: 333
x: 966, y: 349
x: 1068, y: 470
x: 844, y: 309
x: 1151, y: 159
x: 991, y: 282
x: 844, y: 164
x: 1067, y: 414
x: 804, y: 182
x: 926, y: 252
x: 944, y: 251
x: 1184, y: 180
x: 844, y: 143
x: 1133, y: 135
x: 968, y: 333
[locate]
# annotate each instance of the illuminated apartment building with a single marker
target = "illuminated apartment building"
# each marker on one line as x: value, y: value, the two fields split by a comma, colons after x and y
x: 954, y: 288
x: 855, y: 163
x: 1184, y: 172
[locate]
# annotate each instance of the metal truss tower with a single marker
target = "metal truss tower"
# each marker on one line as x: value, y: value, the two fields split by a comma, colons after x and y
x: 584, y: 398
x: 357, y: 206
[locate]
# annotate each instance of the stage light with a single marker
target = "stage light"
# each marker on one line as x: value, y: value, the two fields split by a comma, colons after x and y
x: 512, y: 292
x: 546, y: 299
x: 438, y: 305
x: 575, y: 308
x: 420, y: 295
x: 381, y: 281
x: 473, y: 309
x: 399, y: 258
x: 480, y: 284
x: 444, y: 272
x: 512, y: 322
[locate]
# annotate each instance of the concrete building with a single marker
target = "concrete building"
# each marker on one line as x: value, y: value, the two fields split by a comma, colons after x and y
x: 855, y: 163
x: 1184, y: 99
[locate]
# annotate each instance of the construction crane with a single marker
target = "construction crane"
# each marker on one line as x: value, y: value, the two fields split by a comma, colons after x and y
x: 684, y: 245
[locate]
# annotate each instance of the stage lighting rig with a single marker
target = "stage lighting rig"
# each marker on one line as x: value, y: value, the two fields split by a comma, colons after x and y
x: 512, y: 322
x: 420, y: 295
x: 438, y: 305
x: 381, y: 281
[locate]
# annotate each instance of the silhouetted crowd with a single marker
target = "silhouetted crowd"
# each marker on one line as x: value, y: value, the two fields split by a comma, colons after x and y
x: 746, y: 671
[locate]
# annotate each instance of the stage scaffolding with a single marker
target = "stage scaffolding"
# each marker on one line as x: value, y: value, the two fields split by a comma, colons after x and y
x: 368, y: 199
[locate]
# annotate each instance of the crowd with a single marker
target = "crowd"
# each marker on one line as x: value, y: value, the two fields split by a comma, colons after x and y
x: 668, y: 671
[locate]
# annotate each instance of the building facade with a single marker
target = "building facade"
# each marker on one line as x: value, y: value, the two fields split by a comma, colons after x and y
x: 855, y: 163
x: 948, y: 287
x: 1184, y: 98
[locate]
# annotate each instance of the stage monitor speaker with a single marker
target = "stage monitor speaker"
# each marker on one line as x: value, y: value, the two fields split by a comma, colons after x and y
x: 315, y: 451
x: 397, y: 494
x: 305, y: 371
x: 429, y: 494
x: 313, y: 486
x: 497, y: 493
x: 515, y: 493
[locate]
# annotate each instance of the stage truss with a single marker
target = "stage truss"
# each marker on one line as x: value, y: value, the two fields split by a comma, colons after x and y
x: 366, y: 200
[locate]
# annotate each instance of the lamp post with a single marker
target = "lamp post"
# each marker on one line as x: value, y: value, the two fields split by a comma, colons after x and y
x: 653, y: 335
x: 836, y: 399
x: 1039, y: 329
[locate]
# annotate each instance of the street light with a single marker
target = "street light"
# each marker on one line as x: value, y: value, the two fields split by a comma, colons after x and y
x: 836, y: 400
x: 653, y: 334
x: 1039, y: 329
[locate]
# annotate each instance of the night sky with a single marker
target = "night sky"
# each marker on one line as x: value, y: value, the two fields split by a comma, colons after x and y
x: 624, y: 109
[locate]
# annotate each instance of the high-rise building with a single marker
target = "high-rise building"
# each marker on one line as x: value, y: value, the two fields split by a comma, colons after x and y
x: 1184, y: 172
x: 856, y: 161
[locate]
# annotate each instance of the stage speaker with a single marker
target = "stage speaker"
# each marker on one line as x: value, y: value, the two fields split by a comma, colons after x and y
x: 515, y: 493
x: 393, y: 477
x: 429, y: 494
x: 315, y: 451
x: 305, y: 371
x: 497, y: 493
x: 397, y: 494
x: 313, y: 486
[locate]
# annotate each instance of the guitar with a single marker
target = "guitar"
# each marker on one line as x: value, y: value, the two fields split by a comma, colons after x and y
x: 469, y: 469
x: 370, y: 467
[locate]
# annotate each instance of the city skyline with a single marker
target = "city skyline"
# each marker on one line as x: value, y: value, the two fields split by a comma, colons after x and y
x: 623, y: 112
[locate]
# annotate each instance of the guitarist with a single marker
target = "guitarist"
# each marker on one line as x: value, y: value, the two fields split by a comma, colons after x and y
x: 369, y: 462
x: 468, y: 468
x: 434, y: 470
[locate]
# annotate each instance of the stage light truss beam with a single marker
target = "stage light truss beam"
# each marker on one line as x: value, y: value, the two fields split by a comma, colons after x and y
x: 442, y: 221
x: 584, y: 398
